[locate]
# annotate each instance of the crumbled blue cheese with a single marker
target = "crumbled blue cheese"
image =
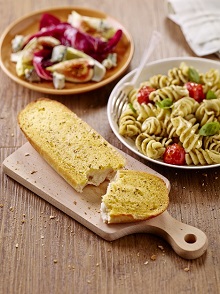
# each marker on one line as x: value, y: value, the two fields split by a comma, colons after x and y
x: 110, y: 61
x: 58, y: 80
x: 17, y: 43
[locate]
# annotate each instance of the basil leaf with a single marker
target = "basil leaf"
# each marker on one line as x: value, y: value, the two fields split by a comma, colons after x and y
x: 165, y: 103
x: 210, y: 95
x: 132, y: 108
x: 210, y: 129
x: 193, y: 75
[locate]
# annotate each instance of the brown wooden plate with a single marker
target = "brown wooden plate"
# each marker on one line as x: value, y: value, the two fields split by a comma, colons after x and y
x: 29, y: 24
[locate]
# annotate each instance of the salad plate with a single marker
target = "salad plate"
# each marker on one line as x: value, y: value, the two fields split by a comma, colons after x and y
x: 29, y: 25
x: 151, y: 69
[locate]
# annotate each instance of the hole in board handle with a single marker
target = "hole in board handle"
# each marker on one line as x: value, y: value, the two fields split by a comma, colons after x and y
x: 190, y: 238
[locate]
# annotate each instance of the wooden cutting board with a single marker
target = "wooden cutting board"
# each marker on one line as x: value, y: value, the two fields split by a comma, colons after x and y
x: 28, y: 168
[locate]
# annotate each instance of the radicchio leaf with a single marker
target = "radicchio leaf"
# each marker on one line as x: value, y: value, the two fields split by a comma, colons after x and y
x: 48, y: 20
x: 70, y: 36
x: 56, y: 31
x: 92, y: 46
x: 41, y: 60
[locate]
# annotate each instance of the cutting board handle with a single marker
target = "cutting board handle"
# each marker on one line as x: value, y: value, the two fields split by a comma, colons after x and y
x: 187, y: 241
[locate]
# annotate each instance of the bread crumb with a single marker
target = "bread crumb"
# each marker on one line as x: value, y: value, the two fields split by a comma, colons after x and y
x: 52, y: 216
x: 55, y: 261
x: 16, y: 245
x: 1, y: 205
x: 75, y: 202
x: 42, y: 237
x: 153, y: 257
x: 186, y: 269
x: 33, y: 172
x: 11, y: 208
x: 160, y: 247
x: 27, y: 154
x: 146, y: 262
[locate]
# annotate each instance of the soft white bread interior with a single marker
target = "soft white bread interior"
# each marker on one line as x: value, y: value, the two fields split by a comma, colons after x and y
x: 75, y: 150
x: 133, y: 196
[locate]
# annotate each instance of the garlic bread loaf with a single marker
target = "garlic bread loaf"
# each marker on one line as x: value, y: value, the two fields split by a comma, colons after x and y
x: 75, y: 150
x: 134, y: 196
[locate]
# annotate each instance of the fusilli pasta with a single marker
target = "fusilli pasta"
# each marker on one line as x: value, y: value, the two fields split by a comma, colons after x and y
x: 171, y: 115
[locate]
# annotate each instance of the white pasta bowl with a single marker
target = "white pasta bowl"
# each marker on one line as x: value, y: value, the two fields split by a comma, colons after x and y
x: 151, y: 69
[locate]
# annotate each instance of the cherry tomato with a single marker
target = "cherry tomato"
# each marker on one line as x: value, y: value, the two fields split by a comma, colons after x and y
x: 195, y: 91
x: 174, y: 154
x: 143, y: 94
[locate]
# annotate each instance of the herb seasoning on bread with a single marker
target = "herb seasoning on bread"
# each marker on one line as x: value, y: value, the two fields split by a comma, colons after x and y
x: 75, y: 150
x: 134, y: 196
